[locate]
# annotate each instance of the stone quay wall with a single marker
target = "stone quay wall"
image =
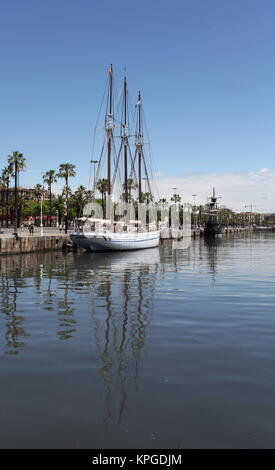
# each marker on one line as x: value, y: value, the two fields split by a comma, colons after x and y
x: 30, y: 244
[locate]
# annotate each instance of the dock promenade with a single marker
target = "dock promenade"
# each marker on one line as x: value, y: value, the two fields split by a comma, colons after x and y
x: 195, y: 233
x: 52, y: 239
x: 225, y: 231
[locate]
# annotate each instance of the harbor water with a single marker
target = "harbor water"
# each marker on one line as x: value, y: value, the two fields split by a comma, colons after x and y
x: 161, y: 348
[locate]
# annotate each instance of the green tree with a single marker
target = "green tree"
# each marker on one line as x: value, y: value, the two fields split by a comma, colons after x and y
x: 38, y: 191
x: 102, y: 187
x: 22, y: 202
x: 49, y: 178
x: 66, y: 171
x: 7, y: 173
x: 31, y: 208
x: 163, y: 202
x: 176, y: 198
x: 148, y: 197
x: 58, y: 205
x: 131, y: 184
x: 18, y: 161
x: 80, y: 198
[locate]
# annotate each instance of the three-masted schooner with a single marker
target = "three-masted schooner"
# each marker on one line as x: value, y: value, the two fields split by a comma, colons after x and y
x: 126, y: 231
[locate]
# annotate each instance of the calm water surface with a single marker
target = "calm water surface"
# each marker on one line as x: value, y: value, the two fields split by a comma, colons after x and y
x: 159, y: 349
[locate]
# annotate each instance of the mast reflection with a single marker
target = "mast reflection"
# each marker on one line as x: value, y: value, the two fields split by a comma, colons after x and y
x: 121, y: 302
x: 212, y: 244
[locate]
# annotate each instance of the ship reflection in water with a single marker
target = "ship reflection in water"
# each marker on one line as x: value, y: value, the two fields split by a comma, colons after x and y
x: 158, y: 348
x: 121, y: 301
x: 52, y: 293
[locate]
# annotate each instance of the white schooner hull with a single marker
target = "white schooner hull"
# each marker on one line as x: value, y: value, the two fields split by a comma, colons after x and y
x: 115, y: 241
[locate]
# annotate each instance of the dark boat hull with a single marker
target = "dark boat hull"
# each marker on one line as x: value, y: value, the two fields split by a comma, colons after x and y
x: 212, y: 229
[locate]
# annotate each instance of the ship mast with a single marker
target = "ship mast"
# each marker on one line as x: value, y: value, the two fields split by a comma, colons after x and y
x: 109, y: 129
x: 213, y: 206
x: 125, y: 140
x: 139, y: 149
x: 124, y: 154
x: 139, y: 144
x: 213, y: 200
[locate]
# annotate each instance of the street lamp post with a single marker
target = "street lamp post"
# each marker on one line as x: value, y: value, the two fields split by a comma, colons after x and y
x: 41, y: 212
x: 195, y: 210
x: 15, y: 196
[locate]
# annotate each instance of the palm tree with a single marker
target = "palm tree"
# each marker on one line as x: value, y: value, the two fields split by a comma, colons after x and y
x: 22, y: 201
x: 38, y: 190
x: 66, y: 171
x: 131, y: 184
x: 7, y: 173
x: 80, y: 198
x: 102, y: 186
x: 19, y: 161
x: 148, y: 197
x: 141, y: 198
x: 163, y: 202
x: 176, y: 198
x: 49, y: 178
x: 58, y: 205
x: 66, y: 191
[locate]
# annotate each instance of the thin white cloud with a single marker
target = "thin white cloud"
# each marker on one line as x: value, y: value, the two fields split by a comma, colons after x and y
x: 236, y: 189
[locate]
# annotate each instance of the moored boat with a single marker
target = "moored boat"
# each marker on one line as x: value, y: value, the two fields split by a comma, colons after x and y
x: 110, y: 241
x: 118, y: 232
x: 212, y: 227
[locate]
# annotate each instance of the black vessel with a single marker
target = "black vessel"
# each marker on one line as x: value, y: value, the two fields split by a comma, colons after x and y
x: 212, y: 227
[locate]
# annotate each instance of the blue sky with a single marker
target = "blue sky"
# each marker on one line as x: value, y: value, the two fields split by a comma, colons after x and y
x: 206, y: 69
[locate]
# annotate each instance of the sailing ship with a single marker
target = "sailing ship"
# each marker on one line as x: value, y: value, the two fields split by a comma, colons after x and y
x: 124, y: 232
x: 212, y: 227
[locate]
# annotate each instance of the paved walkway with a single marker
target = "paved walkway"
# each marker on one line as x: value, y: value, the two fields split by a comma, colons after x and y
x: 50, y: 231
